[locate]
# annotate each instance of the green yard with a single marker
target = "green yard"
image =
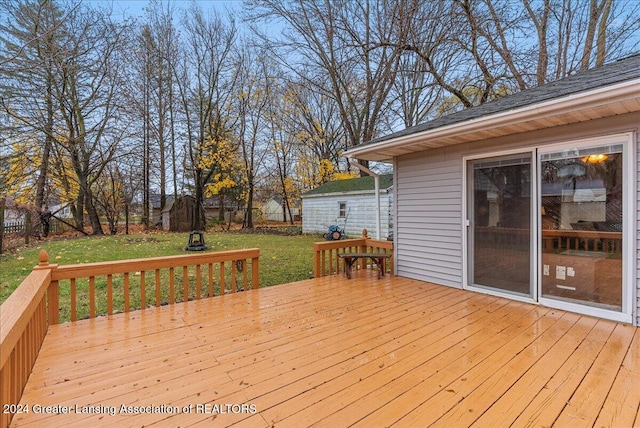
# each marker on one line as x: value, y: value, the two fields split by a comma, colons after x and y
x: 283, y: 258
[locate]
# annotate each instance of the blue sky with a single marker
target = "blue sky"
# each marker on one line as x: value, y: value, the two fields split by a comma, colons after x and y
x: 135, y: 8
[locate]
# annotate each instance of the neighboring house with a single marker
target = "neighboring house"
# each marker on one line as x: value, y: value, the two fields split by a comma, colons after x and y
x: 12, y: 211
x: 534, y: 196
x: 61, y: 211
x: 350, y: 204
x: 273, y: 210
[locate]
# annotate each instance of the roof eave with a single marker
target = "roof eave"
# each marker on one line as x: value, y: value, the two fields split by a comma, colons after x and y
x: 627, y: 92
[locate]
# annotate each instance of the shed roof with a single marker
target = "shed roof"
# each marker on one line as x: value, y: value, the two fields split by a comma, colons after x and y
x: 351, y: 185
x: 596, y: 93
x: 154, y: 199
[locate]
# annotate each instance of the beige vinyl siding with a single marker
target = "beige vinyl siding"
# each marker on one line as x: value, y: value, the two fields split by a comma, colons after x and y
x: 428, y: 228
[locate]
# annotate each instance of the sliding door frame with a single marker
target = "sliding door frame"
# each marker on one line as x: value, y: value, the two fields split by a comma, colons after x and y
x: 629, y: 293
x: 629, y: 233
x: 467, y: 186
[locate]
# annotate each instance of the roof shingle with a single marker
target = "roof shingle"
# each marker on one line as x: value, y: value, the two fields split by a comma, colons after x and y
x: 609, y: 74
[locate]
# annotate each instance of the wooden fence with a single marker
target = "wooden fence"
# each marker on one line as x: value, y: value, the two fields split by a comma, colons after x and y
x: 55, y: 226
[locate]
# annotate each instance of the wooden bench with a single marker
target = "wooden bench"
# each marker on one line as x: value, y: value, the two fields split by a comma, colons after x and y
x: 351, y: 258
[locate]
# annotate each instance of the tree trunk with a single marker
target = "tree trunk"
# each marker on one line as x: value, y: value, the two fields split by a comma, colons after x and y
x: 601, y: 46
x: 2, y: 203
x: 46, y: 150
x: 93, y: 214
x: 248, y: 216
x: 594, y: 14
x: 221, y: 210
x: 195, y: 225
x: 79, y: 214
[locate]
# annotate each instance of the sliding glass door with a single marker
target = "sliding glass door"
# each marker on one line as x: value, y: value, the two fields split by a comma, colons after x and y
x: 555, y: 226
x: 499, y: 230
x: 581, y: 219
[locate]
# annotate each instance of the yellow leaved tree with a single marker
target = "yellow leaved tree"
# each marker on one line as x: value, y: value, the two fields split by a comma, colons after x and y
x: 21, y: 173
x: 221, y: 161
x: 312, y: 175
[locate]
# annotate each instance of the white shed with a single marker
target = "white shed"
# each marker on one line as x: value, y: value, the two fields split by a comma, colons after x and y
x: 350, y: 204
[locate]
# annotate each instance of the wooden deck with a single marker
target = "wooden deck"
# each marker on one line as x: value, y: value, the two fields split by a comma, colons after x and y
x: 334, y: 352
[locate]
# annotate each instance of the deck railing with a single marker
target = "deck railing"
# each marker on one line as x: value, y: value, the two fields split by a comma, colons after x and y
x: 92, y: 289
x: 326, y: 259
x: 23, y: 317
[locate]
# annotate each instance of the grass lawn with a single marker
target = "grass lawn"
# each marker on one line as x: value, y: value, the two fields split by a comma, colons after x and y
x: 283, y: 258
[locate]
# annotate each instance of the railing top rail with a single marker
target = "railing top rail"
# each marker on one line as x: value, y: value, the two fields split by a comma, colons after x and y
x: 146, y: 264
x: 369, y: 242
x: 332, y: 245
x: 18, y: 309
x: 379, y: 243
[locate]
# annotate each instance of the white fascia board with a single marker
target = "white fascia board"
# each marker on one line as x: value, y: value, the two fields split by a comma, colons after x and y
x: 602, y: 96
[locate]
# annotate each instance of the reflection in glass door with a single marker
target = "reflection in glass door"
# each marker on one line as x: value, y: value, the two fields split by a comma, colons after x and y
x: 499, y: 232
x: 581, y: 221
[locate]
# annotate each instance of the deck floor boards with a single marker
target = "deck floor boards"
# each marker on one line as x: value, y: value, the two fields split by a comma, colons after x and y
x: 332, y: 352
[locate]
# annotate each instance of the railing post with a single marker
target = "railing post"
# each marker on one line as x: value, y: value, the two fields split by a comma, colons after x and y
x: 53, y: 291
x: 364, y: 249
x: 255, y: 273
x: 316, y: 261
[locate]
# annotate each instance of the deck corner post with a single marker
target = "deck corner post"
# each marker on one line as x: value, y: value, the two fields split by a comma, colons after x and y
x: 53, y: 290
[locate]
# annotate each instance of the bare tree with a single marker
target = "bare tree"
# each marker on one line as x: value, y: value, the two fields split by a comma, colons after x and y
x: 345, y: 43
x: 205, y: 81
x: 315, y: 121
x: 415, y: 94
x: 255, y: 87
x: 110, y: 195
x: 86, y: 91
x: 281, y: 141
x: 27, y: 78
x: 159, y: 40
x: 481, y: 50
x: 73, y: 60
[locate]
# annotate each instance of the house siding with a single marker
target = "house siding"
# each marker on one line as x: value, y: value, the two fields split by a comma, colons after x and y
x: 428, y: 226
x: 321, y: 211
x: 429, y: 186
x: 637, y: 313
